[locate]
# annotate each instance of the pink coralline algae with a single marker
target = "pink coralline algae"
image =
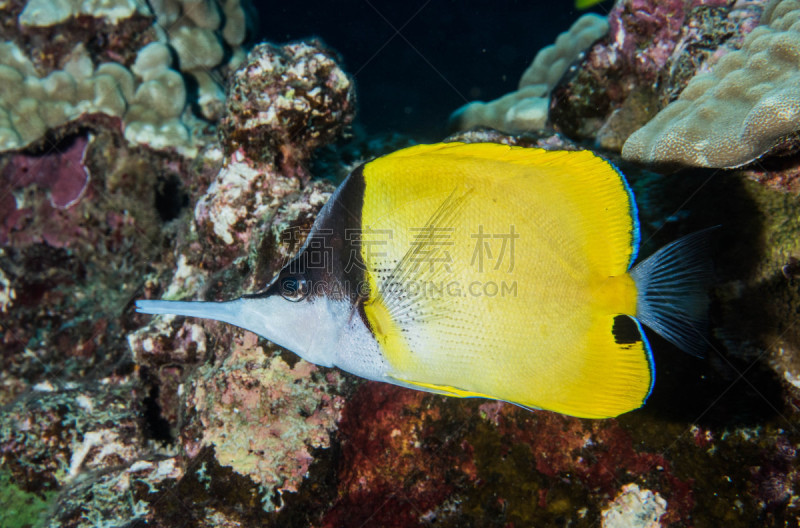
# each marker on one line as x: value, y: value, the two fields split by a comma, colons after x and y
x: 646, y: 34
x: 597, y: 453
x: 62, y: 175
x: 652, y: 50
x: 395, y: 453
x: 411, y: 459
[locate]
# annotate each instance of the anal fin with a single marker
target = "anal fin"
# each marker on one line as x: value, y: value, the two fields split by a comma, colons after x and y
x: 615, y: 374
x: 444, y: 390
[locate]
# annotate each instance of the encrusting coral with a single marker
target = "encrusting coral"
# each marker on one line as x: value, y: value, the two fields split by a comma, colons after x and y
x: 39, y: 13
x: 147, y: 93
x: 742, y: 108
x: 261, y: 417
x: 526, y: 109
x: 112, y: 418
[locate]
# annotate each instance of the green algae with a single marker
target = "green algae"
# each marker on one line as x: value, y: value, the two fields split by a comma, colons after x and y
x: 721, y: 463
x: 513, y: 492
x: 20, y: 508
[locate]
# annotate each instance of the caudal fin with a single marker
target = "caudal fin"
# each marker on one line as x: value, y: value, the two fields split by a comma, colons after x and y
x: 672, y: 286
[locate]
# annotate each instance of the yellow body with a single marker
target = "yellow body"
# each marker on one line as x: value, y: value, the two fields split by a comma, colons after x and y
x: 456, y: 312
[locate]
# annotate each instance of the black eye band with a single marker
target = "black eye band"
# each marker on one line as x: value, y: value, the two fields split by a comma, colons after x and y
x: 293, y: 288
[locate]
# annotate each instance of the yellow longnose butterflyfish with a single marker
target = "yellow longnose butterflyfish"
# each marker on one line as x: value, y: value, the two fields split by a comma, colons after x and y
x: 481, y: 270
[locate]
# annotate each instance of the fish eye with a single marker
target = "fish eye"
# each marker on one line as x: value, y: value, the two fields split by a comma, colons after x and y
x: 293, y: 288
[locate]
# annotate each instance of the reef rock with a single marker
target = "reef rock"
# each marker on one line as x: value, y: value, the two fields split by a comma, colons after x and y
x: 135, y: 80
x: 744, y: 107
x: 248, y: 411
x: 634, y: 508
x: 285, y: 96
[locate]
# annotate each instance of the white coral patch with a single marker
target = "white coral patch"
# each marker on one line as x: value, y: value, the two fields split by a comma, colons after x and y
x: 187, y: 278
x: 43, y: 13
x: 7, y: 293
x: 791, y: 378
x: 109, y: 444
x: 634, y: 508
x: 219, y: 205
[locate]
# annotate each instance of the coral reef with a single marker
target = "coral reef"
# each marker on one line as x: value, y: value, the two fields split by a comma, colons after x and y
x: 78, y: 452
x: 396, y: 452
x: 137, y: 83
x: 284, y: 96
x: 685, y: 82
x: 110, y: 418
x: 284, y: 102
x: 742, y: 108
x: 649, y: 54
x: 262, y: 417
x: 105, y: 148
x: 634, y: 508
x: 79, y: 228
x: 526, y: 109
x: 249, y: 411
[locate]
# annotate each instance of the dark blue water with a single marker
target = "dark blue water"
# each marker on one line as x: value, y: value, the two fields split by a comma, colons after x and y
x: 418, y: 60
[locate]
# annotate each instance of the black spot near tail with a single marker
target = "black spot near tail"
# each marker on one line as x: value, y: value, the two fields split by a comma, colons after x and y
x: 625, y: 331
